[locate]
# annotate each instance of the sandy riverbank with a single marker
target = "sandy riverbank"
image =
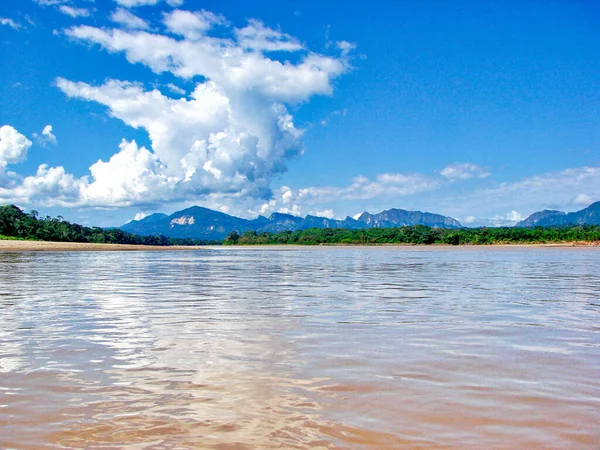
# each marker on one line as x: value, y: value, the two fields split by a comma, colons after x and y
x: 28, y: 246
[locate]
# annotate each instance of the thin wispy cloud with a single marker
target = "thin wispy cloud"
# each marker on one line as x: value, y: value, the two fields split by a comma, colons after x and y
x: 9, y: 23
x: 74, y: 12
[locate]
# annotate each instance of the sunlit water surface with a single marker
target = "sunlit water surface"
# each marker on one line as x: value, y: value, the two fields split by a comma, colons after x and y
x: 301, y: 348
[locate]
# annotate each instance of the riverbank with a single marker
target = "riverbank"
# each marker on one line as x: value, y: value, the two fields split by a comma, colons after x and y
x: 29, y: 246
x: 34, y: 246
x: 433, y: 247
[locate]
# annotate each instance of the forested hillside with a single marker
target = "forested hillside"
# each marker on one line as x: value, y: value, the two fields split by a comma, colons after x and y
x: 17, y: 224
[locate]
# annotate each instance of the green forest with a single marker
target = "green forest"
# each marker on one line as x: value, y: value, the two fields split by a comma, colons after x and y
x: 420, y: 235
x: 14, y: 223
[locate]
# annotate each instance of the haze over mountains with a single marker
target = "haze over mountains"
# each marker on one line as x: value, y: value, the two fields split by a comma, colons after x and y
x: 203, y: 223
x: 549, y: 218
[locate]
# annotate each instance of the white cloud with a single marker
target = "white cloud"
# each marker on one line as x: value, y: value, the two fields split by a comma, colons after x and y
x: 176, y: 89
x: 384, y: 185
x: 346, y: 47
x: 256, y: 36
x: 515, y: 200
x: 50, y: 186
x: 192, y: 25
x: 222, y: 61
x: 324, y: 213
x: 74, y: 12
x: 514, y: 216
x: 507, y: 220
x: 128, y: 20
x: 135, y: 3
x: 13, y: 146
x: 231, y: 134
x: 46, y: 137
x: 504, y: 205
x: 51, y: 2
x: 463, y: 171
x: 47, y: 131
x: 553, y: 190
x: 132, y: 176
x: 208, y: 143
x: 583, y: 200
x: 140, y: 216
x: 9, y: 23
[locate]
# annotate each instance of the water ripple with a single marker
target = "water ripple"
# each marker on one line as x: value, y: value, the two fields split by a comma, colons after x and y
x: 301, y: 348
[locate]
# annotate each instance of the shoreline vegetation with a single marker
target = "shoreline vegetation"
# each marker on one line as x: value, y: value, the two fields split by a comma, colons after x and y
x: 20, y: 231
x: 16, y: 224
x: 422, y: 235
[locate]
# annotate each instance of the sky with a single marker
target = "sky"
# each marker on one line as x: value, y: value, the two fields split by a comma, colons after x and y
x: 484, y: 111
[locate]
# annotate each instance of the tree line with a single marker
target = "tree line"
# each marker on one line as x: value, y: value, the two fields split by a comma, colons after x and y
x: 420, y: 234
x: 17, y: 224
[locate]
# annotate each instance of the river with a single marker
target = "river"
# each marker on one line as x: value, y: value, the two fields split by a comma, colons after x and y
x: 346, y: 347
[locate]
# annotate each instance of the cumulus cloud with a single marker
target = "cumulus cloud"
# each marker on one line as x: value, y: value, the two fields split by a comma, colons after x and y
x: 46, y: 137
x: 192, y: 25
x: 383, y: 186
x: 230, y: 136
x: 13, y: 146
x: 135, y: 3
x: 516, y: 200
x: 74, y: 12
x: 463, y: 171
x: 129, y: 20
x: 132, y: 176
x: 224, y: 62
x: 50, y: 186
x: 227, y: 139
x: 9, y: 23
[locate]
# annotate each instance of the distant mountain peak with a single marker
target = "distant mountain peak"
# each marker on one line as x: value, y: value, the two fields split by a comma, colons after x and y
x: 202, y: 223
x: 551, y: 217
x: 395, y: 217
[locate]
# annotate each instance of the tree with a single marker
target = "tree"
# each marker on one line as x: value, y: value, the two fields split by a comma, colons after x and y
x: 232, y: 238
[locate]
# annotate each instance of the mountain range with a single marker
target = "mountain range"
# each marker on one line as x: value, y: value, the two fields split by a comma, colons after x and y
x: 203, y: 223
x: 549, y: 217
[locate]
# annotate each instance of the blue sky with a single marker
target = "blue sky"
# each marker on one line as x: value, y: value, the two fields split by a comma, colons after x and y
x: 484, y: 111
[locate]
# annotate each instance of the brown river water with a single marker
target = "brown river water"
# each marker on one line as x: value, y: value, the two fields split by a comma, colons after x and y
x: 261, y: 348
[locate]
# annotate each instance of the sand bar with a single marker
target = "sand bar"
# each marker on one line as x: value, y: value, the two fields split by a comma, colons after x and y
x: 33, y: 246
x: 29, y: 246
